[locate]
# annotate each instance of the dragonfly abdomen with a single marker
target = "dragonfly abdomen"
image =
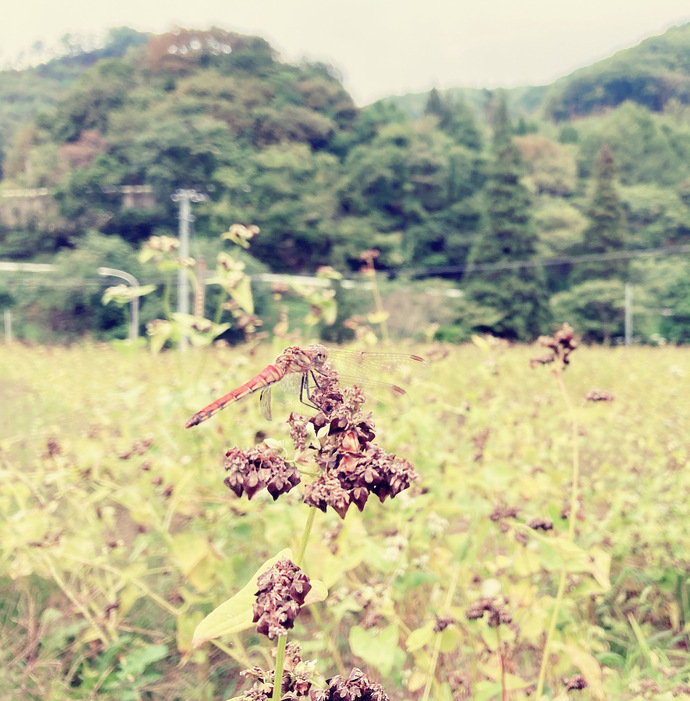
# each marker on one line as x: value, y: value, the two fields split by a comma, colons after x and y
x: 266, y: 377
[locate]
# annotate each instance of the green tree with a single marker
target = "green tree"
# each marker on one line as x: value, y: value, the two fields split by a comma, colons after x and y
x: 396, y: 178
x: 654, y: 216
x: 647, y: 148
x: 551, y: 167
x: 595, y: 302
x: 662, y: 297
x: 89, y: 104
x: 605, y: 233
x: 287, y: 191
x: 506, y: 299
x: 499, y: 117
x: 444, y: 237
x: 435, y: 105
x: 455, y: 118
x: 595, y: 308
x: 412, y: 182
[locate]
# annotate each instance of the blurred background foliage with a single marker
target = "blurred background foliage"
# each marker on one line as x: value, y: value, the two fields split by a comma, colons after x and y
x: 93, y: 144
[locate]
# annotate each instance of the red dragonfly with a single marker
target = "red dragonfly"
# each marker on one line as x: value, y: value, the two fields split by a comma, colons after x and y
x: 300, y: 367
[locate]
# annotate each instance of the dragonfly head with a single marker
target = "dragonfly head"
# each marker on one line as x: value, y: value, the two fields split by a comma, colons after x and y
x: 318, y: 355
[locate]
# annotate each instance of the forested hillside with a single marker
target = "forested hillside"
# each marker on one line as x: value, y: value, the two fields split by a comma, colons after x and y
x: 26, y: 93
x: 536, y: 179
x: 651, y: 74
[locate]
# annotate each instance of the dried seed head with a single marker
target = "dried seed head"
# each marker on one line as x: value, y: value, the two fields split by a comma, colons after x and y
x: 351, y: 466
x: 296, y: 683
x: 502, y: 512
x: 540, y: 523
x: 495, y: 606
x: 327, y: 491
x: 338, y: 438
x: 442, y: 624
x: 251, y: 470
x: 560, y: 346
x: 281, y: 592
x: 576, y: 682
x: 598, y: 395
x: 355, y: 688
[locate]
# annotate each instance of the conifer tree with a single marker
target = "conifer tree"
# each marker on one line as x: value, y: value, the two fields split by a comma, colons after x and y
x: 506, y: 299
x: 594, y: 303
x: 434, y: 105
x: 605, y: 233
x: 455, y: 118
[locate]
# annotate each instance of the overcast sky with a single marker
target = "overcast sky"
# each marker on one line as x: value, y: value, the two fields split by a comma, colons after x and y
x: 381, y: 47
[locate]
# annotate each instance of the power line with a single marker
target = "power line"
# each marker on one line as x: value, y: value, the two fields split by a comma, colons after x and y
x: 33, y: 192
x: 544, y: 262
x: 9, y: 266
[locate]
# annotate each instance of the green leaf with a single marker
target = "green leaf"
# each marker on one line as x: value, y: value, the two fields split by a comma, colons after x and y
x: 186, y: 625
x: 560, y: 552
x: 200, y: 330
x: 169, y: 266
x: 196, y: 559
x: 235, y: 614
x: 450, y: 640
x: 329, y: 309
x: 378, y: 650
x: 124, y: 294
x: 146, y: 254
x: 189, y: 549
x: 135, y: 662
x: 588, y: 665
x: 242, y: 294
x: 377, y: 317
x: 420, y: 637
x: 159, y: 333
x: 481, y: 343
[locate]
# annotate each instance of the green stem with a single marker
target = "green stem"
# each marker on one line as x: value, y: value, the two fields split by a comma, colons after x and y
x: 219, y: 308
x: 437, y: 643
x: 280, y: 661
x: 379, y: 306
x: 499, y: 649
x: 305, y: 536
x: 78, y: 603
x: 571, y: 534
x: 574, y: 429
x: 282, y: 640
x: 166, y: 298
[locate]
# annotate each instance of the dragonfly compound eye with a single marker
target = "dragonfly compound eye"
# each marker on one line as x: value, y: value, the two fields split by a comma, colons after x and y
x: 320, y: 357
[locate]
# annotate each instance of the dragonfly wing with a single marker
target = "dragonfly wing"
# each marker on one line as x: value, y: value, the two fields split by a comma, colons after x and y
x: 286, y: 394
x: 397, y: 369
x: 265, y: 403
x: 383, y: 377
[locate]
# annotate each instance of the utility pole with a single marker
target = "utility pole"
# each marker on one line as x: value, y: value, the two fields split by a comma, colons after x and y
x: 184, y: 198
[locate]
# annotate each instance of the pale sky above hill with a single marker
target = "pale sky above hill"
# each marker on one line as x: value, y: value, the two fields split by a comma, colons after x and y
x: 381, y: 47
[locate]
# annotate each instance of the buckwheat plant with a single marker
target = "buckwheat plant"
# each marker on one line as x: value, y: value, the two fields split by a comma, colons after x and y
x: 336, y: 448
x: 559, y: 347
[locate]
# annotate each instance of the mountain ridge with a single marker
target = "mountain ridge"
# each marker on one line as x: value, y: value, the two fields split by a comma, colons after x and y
x: 650, y: 73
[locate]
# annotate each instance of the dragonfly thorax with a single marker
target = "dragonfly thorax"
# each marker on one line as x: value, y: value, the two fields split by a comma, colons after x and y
x: 298, y: 359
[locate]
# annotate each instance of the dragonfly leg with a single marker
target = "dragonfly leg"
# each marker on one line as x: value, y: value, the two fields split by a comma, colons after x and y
x: 304, y: 391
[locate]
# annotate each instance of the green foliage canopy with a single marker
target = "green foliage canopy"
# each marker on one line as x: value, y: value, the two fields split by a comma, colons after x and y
x: 284, y: 147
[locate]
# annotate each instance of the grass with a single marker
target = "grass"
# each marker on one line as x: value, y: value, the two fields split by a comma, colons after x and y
x: 118, y: 535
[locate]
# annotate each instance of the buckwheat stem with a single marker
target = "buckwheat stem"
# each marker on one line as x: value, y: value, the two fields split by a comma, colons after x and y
x: 280, y: 661
x: 305, y: 536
